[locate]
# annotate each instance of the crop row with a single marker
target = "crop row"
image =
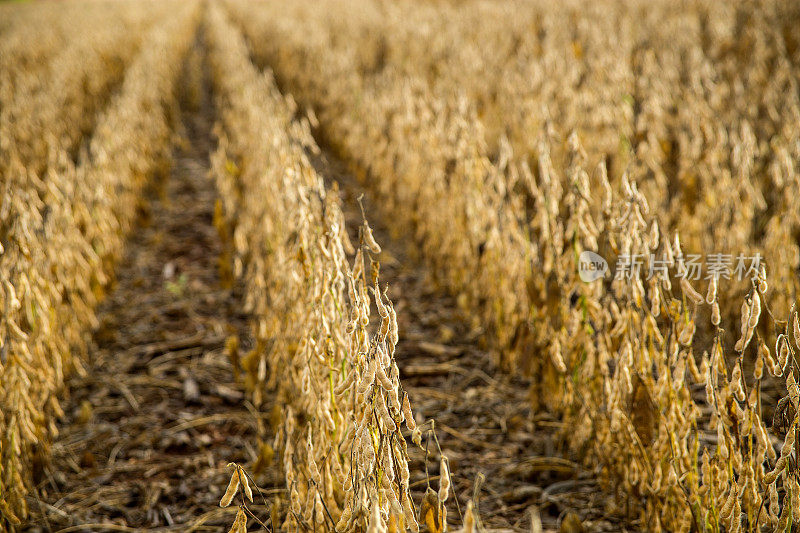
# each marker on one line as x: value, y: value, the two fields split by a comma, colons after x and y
x: 319, y: 347
x: 63, y: 223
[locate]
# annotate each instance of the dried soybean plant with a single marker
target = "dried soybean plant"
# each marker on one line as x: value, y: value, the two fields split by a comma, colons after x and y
x: 424, y: 154
x: 62, y: 225
x: 632, y: 98
x: 623, y: 360
x: 43, y: 118
x: 674, y: 88
x: 341, y: 402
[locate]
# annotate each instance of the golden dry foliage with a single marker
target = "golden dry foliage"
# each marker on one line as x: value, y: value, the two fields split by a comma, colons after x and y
x: 336, y: 383
x: 50, y: 107
x: 510, y: 137
x: 62, y: 224
x: 423, y: 153
x: 27, y: 51
x: 667, y: 120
